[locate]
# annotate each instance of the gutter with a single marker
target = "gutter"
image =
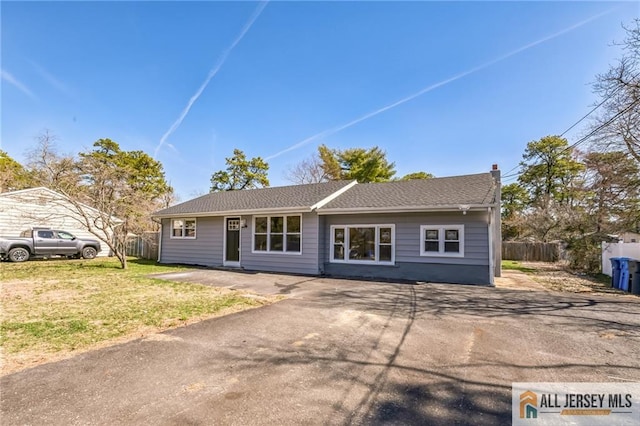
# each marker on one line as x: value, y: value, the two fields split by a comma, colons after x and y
x: 303, y: 209
x: 451, y: 207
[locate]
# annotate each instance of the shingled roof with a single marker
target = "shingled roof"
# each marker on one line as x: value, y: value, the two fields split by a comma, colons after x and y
x: 446, y: 192
x: 295, y: 197
x: 454, y: 192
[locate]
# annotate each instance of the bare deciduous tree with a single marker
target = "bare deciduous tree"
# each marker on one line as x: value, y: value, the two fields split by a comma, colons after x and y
x: 309, y: 170
x: 618, y: 126
x: 51, y: 169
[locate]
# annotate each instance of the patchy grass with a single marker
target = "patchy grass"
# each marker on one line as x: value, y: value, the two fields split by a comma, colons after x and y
x: 602, y: 279
x: 559, y: 277
x: 55, y: 307
x: 516, y: 266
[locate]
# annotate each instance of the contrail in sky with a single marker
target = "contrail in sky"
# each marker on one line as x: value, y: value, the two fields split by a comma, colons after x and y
x: 9, y: 78
x: 212, y: 73
x: 51, y: 79
x: 334, y: 130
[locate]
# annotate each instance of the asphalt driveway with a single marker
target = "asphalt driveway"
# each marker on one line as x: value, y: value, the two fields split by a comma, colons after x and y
x: 340, y: 352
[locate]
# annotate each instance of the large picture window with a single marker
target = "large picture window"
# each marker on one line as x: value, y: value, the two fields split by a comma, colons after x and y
x: 278, y: 234
x: 363, y: 243
x: 442, y: 240
x: 183, y: 228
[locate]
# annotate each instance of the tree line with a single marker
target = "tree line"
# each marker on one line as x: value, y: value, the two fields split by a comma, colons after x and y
x: 362, y: 164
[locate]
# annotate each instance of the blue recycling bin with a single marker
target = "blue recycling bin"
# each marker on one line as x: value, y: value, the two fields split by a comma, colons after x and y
x: 624, y: 274
x: 615, y: 271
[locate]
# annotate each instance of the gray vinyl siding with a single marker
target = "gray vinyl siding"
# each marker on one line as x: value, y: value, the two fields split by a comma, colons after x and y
x: 305, y: 263
x: 205, y: 249
x: 473, y: 268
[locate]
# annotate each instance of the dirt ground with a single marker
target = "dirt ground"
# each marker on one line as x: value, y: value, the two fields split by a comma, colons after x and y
x: 554, y: 277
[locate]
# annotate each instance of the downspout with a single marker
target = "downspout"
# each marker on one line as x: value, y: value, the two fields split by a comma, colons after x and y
x: 497, y: 222
x: 492, y: 272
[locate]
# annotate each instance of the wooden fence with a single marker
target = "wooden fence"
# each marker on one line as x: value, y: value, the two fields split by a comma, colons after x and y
x: 144, y: 246
x: 532, y: 252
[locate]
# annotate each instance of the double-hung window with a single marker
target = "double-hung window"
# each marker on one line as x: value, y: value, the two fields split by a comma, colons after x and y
x: 183, y: 228
x: 278, y: 234
x: 442, y: 240
x: 363, y: 243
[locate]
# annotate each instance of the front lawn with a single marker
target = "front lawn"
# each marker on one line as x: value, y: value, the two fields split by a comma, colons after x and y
x: 514, y: 265
x: 54, y: 307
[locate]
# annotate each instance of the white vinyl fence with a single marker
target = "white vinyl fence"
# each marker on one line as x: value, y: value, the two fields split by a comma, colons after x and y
x: 609, y: 250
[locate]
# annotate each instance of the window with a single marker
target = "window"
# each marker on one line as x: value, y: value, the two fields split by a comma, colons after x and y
x: 442, y: 240
x: 65, y: 235
x: 363, y: 243
x: 183, y: 228
x: 277, y: 234
x: 233, y: 224
x: 45, y: 234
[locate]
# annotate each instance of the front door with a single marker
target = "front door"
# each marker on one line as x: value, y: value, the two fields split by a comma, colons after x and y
x: 232, y: 241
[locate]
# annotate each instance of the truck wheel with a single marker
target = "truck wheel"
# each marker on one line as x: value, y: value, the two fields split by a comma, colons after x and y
x: 89, y: 252
x: 18, y: 254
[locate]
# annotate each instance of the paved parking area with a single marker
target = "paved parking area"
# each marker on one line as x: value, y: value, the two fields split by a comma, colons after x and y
x: 340, y: 352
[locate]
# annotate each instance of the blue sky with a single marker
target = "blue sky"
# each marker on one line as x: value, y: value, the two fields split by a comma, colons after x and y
x: 444, y: 87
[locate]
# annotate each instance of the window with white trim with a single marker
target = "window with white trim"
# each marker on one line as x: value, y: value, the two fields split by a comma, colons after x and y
x: 278, y: 234
x: 183, y: 228
x: 363, y: 244
x: 442, y: 240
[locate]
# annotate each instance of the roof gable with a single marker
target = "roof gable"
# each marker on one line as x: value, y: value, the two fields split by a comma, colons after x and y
x: 40, y: 190
x: 42, y: 195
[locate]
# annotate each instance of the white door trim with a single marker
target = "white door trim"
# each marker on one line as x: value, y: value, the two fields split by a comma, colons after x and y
x: 226, y: 262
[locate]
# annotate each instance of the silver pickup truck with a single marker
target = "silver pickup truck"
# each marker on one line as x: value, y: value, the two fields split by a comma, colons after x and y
x: 46, y: 242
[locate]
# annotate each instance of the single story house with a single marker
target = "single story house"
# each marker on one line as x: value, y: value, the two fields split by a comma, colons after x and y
x: 436, y: 230
x: 43, y: 207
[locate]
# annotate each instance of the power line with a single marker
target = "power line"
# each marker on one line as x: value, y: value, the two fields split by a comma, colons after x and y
x: 585, y: 138
x: 594, y: 131
x: 506, y: 175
